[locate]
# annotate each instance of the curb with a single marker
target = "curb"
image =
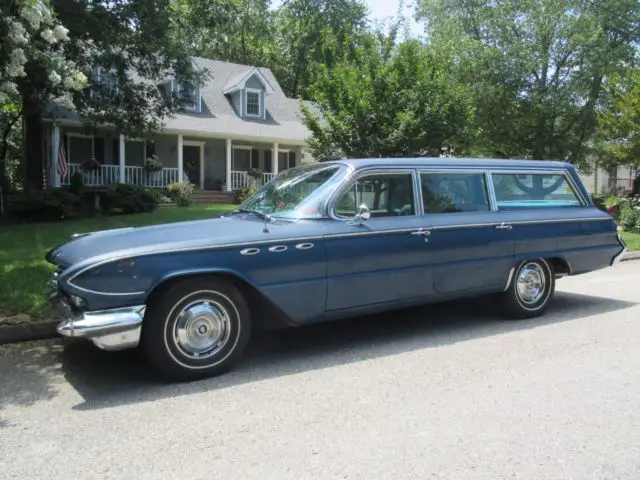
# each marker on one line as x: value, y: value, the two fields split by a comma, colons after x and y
x: 631, y: 256
x: 28, y: 331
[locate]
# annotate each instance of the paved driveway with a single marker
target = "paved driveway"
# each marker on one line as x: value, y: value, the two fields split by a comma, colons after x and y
x: 448, y: 392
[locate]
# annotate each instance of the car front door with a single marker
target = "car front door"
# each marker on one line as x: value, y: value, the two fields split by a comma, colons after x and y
x: 381, y: 259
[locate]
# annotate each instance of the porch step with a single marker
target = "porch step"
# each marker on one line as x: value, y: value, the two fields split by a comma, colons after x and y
x: 212, y: 196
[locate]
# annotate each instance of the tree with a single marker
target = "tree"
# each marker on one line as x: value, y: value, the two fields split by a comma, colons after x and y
x: 132, y: 42
x: 312, y: 34
x: 32, y: 41
x: 619, y: 123
x: 537, y: 68
x: 239, y: 31
x: 394, y: 100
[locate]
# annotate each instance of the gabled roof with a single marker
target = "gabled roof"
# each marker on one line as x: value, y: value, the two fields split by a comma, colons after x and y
x: 283, y: 121
x: 238, y: 82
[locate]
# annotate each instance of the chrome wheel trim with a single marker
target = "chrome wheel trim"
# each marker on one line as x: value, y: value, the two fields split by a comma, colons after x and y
x: 202, y: 329
x: 531, y: 283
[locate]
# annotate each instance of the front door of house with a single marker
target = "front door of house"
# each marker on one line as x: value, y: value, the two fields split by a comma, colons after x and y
x: 191, y: 161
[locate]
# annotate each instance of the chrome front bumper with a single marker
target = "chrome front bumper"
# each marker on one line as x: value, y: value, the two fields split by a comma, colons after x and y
x: 619, y: 256
x: 110, y: 330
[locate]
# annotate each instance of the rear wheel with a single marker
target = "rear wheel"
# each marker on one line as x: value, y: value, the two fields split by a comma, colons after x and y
x: 531, y: 290
x: 197, y: 328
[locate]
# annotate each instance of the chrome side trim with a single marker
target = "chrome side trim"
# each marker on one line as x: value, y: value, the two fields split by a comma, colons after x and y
x: 510, y: 278
x: 303, y: 239
x: 278, y: 248
x: 618, y: 258
x: 110, y: 330
x: 249, y: 251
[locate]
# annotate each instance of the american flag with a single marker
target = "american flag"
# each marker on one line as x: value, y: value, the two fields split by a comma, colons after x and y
x: 62, y: 159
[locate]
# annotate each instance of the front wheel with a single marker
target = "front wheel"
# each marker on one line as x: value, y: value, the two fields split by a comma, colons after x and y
x: 197, y: 328
x: 531, y: 290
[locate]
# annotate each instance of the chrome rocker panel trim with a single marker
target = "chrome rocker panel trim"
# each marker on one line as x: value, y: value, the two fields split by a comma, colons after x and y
x: 109, y: 330
x: 618, y: 258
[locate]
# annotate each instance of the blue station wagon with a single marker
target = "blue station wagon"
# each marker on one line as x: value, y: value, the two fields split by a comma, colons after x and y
x: 327, y: 241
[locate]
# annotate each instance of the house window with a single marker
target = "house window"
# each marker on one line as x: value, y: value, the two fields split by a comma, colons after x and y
x: 241, y: 159
x: 253, y: 103
x: 188, y: 95
x: 80, y: 148
x: 104, y: 84
x: 134, y: 152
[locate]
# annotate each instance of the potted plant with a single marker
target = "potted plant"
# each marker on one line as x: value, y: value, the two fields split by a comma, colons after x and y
x: 152, y: 164
x: 90, y: 165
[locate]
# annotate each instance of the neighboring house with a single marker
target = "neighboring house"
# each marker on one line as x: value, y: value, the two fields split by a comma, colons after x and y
x: 610, y: 180
x: 239, y: 119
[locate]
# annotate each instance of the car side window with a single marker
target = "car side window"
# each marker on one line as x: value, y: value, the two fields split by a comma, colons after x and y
x: 454, y: 192
x: 516, y: 190
x: 385, y: 194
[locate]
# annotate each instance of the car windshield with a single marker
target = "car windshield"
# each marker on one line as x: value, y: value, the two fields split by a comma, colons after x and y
x: 294, y: 193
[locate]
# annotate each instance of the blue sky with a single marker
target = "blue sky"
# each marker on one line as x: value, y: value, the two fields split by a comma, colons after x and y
x: 380, y: 9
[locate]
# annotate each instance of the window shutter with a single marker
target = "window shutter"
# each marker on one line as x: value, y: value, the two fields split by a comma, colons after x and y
x: 255, y: 161
x: 267, y: 161
x: 115, y: 149
x: 98, y: 149
x: 292, y: 159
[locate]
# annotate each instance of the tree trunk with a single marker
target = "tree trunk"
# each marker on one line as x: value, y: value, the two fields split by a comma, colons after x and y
x: 33, y: 158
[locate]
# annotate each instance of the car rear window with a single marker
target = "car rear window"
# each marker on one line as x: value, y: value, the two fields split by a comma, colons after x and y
x: 533, y: 190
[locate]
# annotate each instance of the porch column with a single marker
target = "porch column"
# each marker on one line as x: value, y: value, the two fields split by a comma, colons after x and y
x: 274, y: 165
x: 121, y: 159
x: 180, y: 161
x: 54, y: 175
x: 228, y: 163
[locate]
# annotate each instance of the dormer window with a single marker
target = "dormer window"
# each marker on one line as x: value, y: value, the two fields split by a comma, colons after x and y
x: 253, y: 107
x: 104, y: 84
x: 188, y: 94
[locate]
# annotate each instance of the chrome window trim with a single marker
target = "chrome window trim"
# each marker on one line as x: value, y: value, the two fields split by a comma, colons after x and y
x: 480, y: 171
x: 355, y: 176
x: 493, y: 202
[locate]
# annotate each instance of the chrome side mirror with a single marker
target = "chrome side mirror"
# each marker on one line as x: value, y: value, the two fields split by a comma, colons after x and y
x: 363, y: 214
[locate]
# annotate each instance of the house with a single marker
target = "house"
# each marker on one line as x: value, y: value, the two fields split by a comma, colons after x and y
x: 238, y: 119
x: 599, y: 180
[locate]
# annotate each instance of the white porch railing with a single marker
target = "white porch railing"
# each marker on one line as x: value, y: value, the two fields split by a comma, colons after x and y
x: 109, y: 174
x: 240, y: 179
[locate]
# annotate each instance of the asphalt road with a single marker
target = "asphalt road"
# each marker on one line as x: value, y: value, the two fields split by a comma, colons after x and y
x: 446, y: 392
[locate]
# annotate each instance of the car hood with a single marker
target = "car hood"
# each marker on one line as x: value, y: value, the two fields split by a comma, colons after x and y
x: 142, y: 240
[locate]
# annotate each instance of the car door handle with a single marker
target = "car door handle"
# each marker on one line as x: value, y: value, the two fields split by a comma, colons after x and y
x: 422, y: 232
x: 504, y: 226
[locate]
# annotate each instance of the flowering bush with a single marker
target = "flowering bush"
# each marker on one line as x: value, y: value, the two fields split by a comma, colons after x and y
x: 152, y: 164
x: 27, y: 23
x: 181, y: 192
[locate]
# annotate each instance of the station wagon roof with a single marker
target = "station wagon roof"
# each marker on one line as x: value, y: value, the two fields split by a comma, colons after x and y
x: 453, y: 162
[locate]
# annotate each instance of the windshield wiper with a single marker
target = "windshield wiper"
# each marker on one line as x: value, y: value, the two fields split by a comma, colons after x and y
x: 264, y: 216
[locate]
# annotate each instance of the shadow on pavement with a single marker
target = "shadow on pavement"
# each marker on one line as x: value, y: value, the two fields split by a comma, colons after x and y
x: 30, y: 371
x: 109, y: 379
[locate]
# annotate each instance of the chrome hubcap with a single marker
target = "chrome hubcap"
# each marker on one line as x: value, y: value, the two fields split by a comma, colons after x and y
x: 202, y: 329
x: 531, y: 283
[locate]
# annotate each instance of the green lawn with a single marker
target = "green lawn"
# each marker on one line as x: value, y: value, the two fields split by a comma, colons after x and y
x: 632, y: 240
x: 24, y: 271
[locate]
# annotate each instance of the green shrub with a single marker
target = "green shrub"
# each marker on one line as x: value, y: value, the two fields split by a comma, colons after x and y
x: 242, y: 193
x: 181, y: 193
x: 128, y: 199
x: 628, y: 217
x: 49, y: 205
x: 77, y: 183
